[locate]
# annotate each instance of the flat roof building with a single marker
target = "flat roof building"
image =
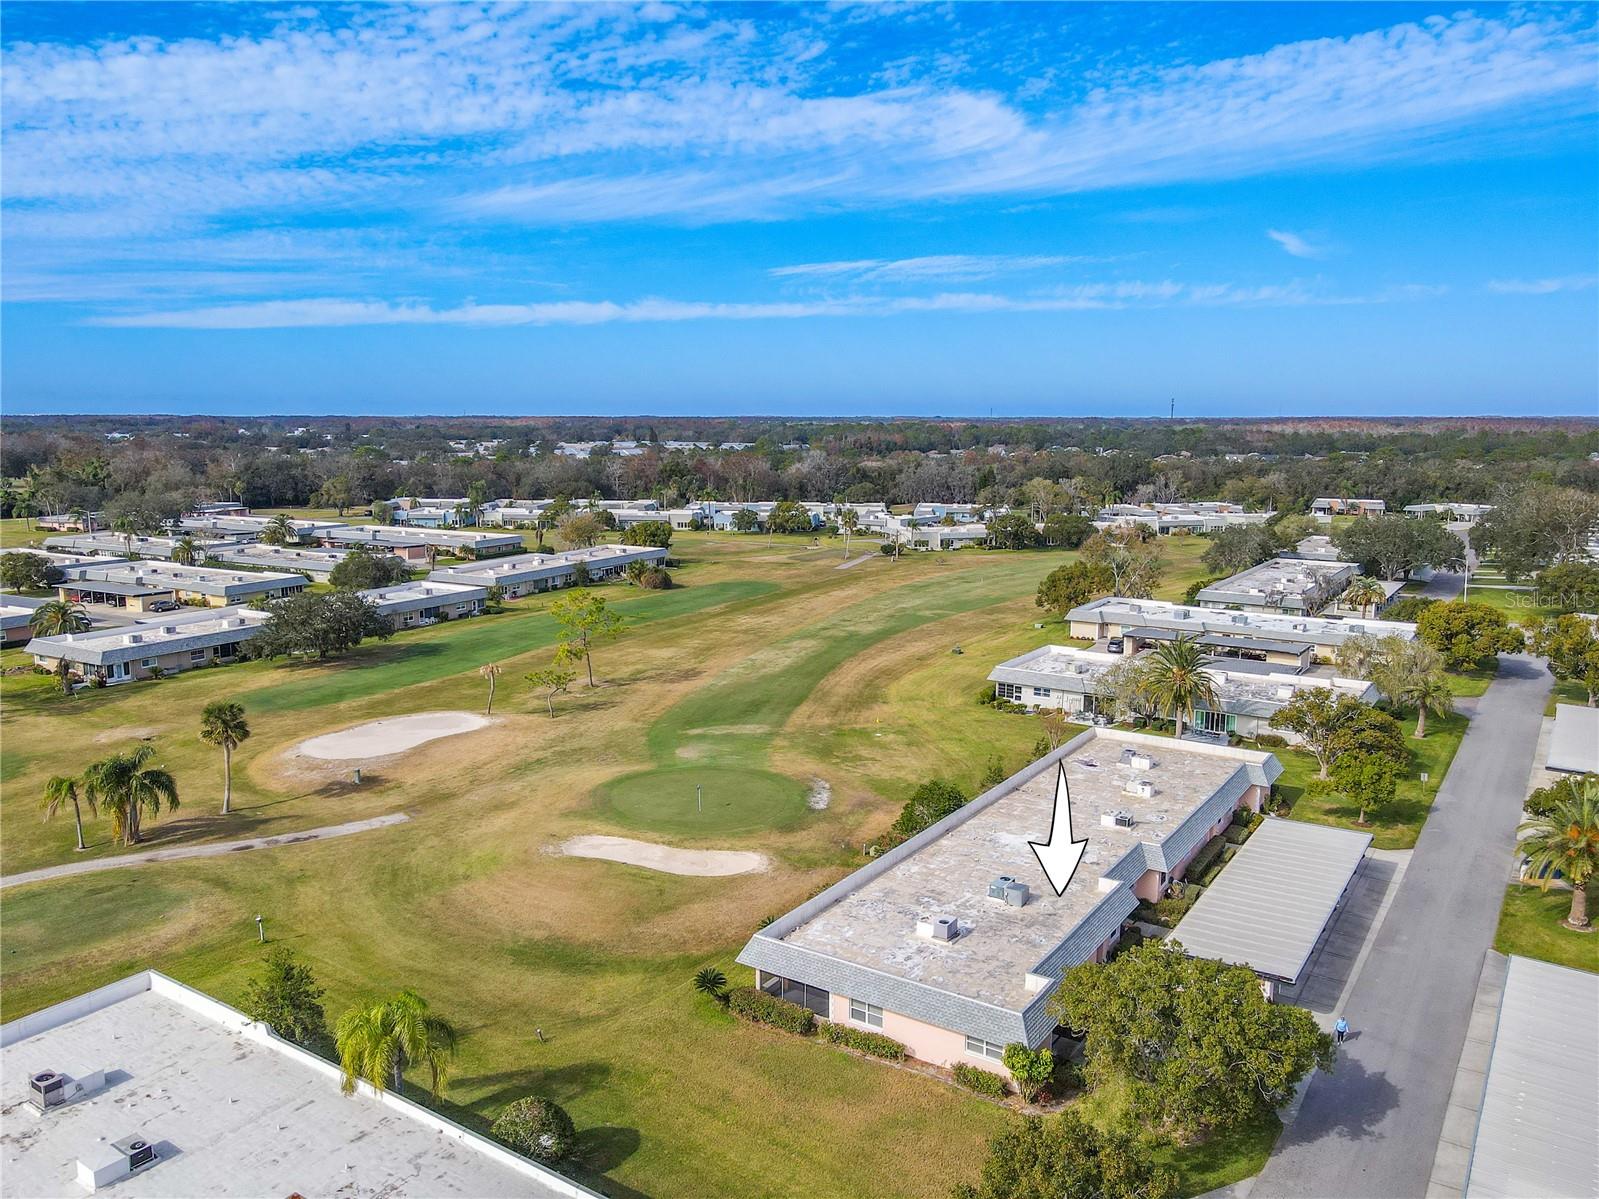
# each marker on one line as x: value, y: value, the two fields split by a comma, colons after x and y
x: 165, y: 644
x: 1194, y: 516
x: 228, y: 1108
x: 523, y: 574
x: 206, y: 584
x: 317, y: 563
x: 408, y: 605
x: 16, y: 611
x: 927, y: 945
x: 1268, y: 909
x: 1114, y: 615
x: 1327, y: 507
x: 58, y: 559
x: 250, y: 528
x: 1247, y: 694
x: 106, y: 544
x: 1296, y: 586
x: 1574, y: 745
x: 1540, y: 1107
x: 412, y: 543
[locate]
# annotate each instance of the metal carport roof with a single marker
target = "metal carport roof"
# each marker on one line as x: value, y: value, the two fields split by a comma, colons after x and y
x: 1575, y: 743
x: 1540, y: 1106
x: 1268, y: 907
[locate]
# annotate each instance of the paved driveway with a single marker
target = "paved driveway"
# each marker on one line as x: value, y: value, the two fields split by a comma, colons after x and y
x: 1370, y: 1129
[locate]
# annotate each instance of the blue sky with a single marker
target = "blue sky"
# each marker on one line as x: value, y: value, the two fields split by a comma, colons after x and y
x: 1031, y: 209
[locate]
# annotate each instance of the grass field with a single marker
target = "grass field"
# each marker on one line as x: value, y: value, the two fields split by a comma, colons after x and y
x: 1529, y: 926
x: 766, y: 671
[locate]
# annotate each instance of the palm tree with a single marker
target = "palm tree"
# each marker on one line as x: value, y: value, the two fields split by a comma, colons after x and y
x: 279, y: 530
x: 1176, y: 679
x: 57, y: 618
x: 711, y: 981
x: 128, y: 526
x: 125, y: 785
x: 187, y: 550
x: 378, y: 1041
x: 849, y: 520
x: 222, y: 723
x: 1427, y: 692
x: 62, y: 790
x: 491, y: 671
x: 1362, y: 592
x: 1567, y: 840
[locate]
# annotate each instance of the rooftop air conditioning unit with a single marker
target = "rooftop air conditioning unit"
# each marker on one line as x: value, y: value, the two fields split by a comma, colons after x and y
x: 107, y: 1164
x: 996, y: 889
x: 939, y: 928
x: 1240, y: 618
x: 1017, y: 895
x: 1116, y: 819
x: 1142, y: 788
x: 50, y: 1088
x: 1140, y: 761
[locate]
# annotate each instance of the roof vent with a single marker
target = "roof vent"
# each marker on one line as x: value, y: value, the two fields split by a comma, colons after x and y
x: 1116, y: 819
x: 938, y: 928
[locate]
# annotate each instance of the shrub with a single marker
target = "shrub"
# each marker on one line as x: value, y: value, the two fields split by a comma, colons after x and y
x: 536, y: 1127
x: 984, y: 1082
x: 988, y: 694
x: 1206, y: 857
x: 757, y: 1006
x: 1033, y: 1069
x: 1271, y: 740
x: 1208, y: 875
x: 1237, y: 834
x: 928, y: 804
x: 654, y: 579
x: 874, y: 1043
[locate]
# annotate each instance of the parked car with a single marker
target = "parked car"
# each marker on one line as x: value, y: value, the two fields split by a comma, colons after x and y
x: 1115, y: 646
x: 164, y: 606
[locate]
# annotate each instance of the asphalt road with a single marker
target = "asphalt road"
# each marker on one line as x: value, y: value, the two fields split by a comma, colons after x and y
x: 1370, y: 1129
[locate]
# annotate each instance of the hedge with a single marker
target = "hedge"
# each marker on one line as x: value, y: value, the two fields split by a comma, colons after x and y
x: 756, y: 1005
x: 874, y: 1043
x: 984, y: 1082
x: 1210, y: 873
x: 1204, y: 858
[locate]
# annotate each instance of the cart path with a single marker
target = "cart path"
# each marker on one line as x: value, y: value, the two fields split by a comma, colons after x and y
x: 214, y: 849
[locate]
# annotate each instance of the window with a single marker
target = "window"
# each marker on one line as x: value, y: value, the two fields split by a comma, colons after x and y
x: 865, y: 1013
x: 815, y: 998
x: 978, y: 1047
x: 1008, y: 691
x: 1040, y: 690
x: 197, y: 655
x: 147, y: 663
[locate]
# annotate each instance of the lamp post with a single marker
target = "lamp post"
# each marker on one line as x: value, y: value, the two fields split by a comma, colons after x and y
x: 699, y: 798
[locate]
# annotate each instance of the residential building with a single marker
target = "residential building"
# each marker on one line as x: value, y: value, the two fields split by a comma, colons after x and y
x: 525, y: 574
x: 1457, y: 514
x: 411, y: 605
x: 250, y: 528
x: 71, y: 522
x: 16, y: 611
x: 938, y: 537
x: 1253, y: 635
x: 1317, y: 547
x: 1327, y: 507
x: 317, y: 564
x: 1247, y: 693
x: 1574, y: 743
x: 1193, y: 516
x: 221, y: 1106
x: 219, y: 508
x: 138, y: 584
x: 1294, y: 586
x: 954, y: 941
x: 58, y: 559
x: 167, y: 643
x: 106, y: 544
x: 414, y: 544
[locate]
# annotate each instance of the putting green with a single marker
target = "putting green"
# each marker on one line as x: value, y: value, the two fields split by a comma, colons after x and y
x: 734, y: 800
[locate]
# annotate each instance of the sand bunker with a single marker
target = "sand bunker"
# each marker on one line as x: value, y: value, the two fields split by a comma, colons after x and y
x: 704, y: 863
x: 393, y: 735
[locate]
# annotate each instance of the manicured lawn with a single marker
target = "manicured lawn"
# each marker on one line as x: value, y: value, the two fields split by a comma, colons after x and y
x: 1471, y: 683
x: 1400, y: 825
x: 1567, y: 692
x: 768, y: 669
x: 1529, y: 926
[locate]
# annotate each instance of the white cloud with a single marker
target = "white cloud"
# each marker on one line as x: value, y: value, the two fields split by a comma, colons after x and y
x: 331, y: 312
x: 1542, y: 287
x: 1296, y: 245
x: 931, y: 266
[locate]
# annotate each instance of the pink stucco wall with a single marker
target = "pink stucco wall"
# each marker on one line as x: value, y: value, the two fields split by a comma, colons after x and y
x: 927, y: 1042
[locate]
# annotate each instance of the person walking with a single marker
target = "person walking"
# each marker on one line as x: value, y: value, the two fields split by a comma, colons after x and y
x: 1340, y: 1030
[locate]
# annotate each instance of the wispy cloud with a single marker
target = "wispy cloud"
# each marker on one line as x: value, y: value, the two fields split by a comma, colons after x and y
x: 928, y: 267
x: 1542, y: 287
x: 1295, y: 244
x: 332, y: 312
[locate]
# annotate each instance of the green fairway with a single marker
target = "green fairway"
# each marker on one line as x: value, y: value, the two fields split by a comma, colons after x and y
x: 701, y: 800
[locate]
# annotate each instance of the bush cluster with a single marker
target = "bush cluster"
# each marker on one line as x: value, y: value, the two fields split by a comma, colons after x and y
x: 756, y: 1005
x: 536, y: 1127
x: 1205, y: 858
x: 1270, y: 740
x: 984, y: 1082
x: 874, y: 1043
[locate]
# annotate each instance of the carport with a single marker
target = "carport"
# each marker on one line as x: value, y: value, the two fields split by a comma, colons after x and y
x: 1270, y: 905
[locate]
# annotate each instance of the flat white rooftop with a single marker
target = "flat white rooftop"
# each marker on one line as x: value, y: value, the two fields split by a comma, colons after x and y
x: 231, y: 1109
x: 1574, y: 745
x: 1540, y: 1105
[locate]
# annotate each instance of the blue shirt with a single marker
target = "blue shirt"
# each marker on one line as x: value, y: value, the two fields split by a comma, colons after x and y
x: 1342, y: 1025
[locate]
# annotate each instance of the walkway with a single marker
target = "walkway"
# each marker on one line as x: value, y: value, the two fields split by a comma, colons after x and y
x: 1371, y: 1128
x: 210, y: 850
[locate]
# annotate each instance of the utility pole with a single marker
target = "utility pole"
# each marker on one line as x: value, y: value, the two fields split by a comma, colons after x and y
x: 1173, y: 414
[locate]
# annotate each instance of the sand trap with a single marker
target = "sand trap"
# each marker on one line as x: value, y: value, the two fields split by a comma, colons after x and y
x: 393, y: 735
x: 820, y: 796
x: 704, y: 863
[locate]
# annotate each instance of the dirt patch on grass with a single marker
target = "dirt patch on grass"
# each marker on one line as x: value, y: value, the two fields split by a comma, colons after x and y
x: 820, y: 796
x: 700, y: 863
x: 392, y: 735
x: 127, y: 732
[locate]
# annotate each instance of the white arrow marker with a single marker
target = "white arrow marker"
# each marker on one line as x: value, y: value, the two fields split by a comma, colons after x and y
x: 1060, y: 854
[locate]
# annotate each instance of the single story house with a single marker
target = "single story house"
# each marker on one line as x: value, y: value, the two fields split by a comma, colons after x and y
x: 940, y: 537
x: 410, y: 605
x: 1195, y: 516
x: 1114, y: 616
x: 1327, y: 507
x: 71, y: 522
x: 954, y: 941
x: 1296, y: 586
x: 250, y: 528
x: 16, y: 611
x: 524, y: 574
x: 1247, y: 694
x: 220, y: 508
x: 417, y: 544
x: 58, y: 559
x: 138, y: 583
x: 1456, y: 514
x: 317, y: 564
x: 171, y: 642
x: 1269, y: 908
x: 115, y: 545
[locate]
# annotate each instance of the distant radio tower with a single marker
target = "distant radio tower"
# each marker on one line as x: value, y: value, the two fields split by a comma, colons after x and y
x: 1173, y: 415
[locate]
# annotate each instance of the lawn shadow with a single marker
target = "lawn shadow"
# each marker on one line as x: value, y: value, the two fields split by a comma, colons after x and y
x: 560, y: 1083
